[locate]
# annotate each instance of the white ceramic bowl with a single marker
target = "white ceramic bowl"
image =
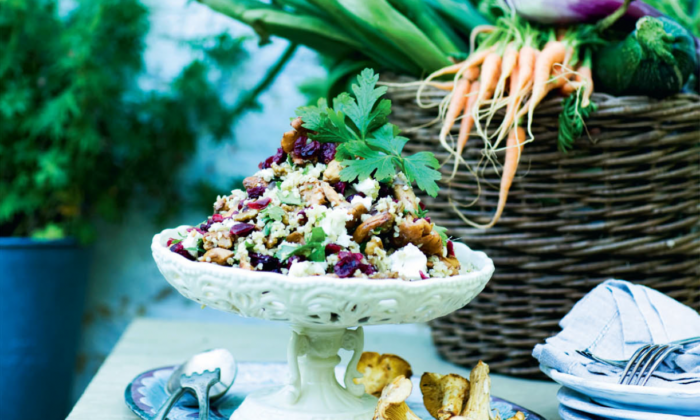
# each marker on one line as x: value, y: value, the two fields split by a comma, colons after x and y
x: 318, y: 302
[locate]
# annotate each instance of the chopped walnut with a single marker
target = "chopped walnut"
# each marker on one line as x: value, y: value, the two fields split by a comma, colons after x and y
x: 373, y: 245
x: 217, y: 256
x: 289, y: 137
x: 254, y: 181
x: 452, y: 263
x: 220, y: 204
x: 332, y: 172
x: 295, y: 237
x: 244, y: 216
x: 221, y: 239
x: 332, y: 195
x: 312, y: 193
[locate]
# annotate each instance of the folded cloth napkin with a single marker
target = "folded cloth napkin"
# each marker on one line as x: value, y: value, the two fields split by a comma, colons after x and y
x: 613, y: 321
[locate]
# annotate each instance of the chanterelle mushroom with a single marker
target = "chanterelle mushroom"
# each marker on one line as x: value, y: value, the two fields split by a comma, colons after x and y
x: 333, y: 196
x: 404, y: 193
x: 312, y: 193
x: 392, y: 403
x: 479, y: 404
x: 377, y: 222
x: 378, y: 370
x: 444, y: 396
x: 289, y: 137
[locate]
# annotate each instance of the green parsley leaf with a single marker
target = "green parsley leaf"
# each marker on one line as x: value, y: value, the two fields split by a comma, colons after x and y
x: 421, y: 168
x: 290, y: 199
x: 249, y: 245
x: 267, y: 229
x: 328, y: 124
x: 420, y: 213
x: 374, y: 164
x: 442, y: 232
x: 285, y: 251
x: 387, y: 140
x: 317, y: 235
x: 361, y: 110
x: 273, y: 213
x: 175, y: 241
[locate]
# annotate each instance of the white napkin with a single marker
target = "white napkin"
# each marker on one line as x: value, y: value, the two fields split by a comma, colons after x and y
x: 613, y: 321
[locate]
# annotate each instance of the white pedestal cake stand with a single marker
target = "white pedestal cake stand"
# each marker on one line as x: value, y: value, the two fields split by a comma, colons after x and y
x: 321, y: 311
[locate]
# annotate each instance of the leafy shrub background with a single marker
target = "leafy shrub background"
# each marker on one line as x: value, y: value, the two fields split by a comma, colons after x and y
x: 79, y: 138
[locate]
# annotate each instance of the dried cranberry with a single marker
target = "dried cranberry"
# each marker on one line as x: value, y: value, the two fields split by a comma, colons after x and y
x: 427, y: 219
x: 268, y: 262
x: 306, y: 150
x: 328, y: 152
x: 293, y: 259
x: 384, y: 190
x: 367, y: 269
x: 259, y: 204
x: 354, y: 255
x: 340, y: 187
x: 423, y: 276
x: 217, y: 218
x: 346, y: 267
x: 450, y: 249
x: 277, y: 158
x: 204, y: 227
x: 170, y: 242
x: 302, y: 217
x: 242, y: 229
x: 332, y: 249
x: 179, y: 248
x: 256, y: 192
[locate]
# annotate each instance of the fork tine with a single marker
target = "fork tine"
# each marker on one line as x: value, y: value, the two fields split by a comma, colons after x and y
x: 650, y: 358
x: 632, y: 362
x: 656, y: 364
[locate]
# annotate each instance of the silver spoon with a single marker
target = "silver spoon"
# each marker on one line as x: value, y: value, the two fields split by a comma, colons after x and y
x: 191, y: 376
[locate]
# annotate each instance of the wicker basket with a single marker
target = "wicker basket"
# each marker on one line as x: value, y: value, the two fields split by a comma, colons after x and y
x: 625, y: 203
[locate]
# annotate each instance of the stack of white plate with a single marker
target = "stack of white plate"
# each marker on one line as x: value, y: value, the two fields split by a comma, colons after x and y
x: 585, y: 399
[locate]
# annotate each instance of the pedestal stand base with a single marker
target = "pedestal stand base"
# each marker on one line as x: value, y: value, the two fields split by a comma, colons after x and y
x: 312, y: 391
x: 268, y: 404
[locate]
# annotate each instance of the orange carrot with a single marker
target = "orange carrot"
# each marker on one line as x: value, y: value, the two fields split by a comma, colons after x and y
x: 514, y: 147
x: 510, y: 59
x: 584, y: 76
x: 457, y: 102
x: 490, y: 71
x: 467, y: 119
x: 553, y: 52
x: 448, y: 86
x: 526, y: 67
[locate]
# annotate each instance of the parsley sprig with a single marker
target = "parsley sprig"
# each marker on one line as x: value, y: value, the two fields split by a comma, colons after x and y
x: 370, y: 145
x: 314, y: 249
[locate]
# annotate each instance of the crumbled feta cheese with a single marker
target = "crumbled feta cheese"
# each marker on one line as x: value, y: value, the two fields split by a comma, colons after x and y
x: 334, y: 224
x: 190, y: 242
x: 218, y: 227
x: 365, y: 201
x: 409, y: 261
x: 369, y: 187
x: 266, y: 174
x: 240, y: 194
x: 307, y: 268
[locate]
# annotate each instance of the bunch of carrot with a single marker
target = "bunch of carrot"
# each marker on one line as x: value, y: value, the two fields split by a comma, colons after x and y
x: 514, y: 67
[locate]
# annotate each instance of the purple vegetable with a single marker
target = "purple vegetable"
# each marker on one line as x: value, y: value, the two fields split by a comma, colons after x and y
x: 575, y: 11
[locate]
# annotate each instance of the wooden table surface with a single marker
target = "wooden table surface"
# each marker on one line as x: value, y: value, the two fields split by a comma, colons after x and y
x: 150, y: 343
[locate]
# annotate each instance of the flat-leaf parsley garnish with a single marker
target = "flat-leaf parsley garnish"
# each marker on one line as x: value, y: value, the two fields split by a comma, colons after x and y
x: 370, y: 146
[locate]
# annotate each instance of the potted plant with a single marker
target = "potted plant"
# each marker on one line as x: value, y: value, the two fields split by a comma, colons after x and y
x: 79, y: 141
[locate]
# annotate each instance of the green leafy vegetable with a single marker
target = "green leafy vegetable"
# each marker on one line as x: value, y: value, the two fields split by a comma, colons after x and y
x: 273, y: 213
x: 370, y: 146
x: 290, y: 199
x: 572, y: 121
x: 314, y: 250
x: 442, y: 232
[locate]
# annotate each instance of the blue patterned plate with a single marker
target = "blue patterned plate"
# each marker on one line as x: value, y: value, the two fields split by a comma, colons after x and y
x: 147, y: 392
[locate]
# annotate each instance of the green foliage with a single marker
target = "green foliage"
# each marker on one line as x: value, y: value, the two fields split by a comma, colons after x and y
x: 78, y: 138
x: 360, y: 124
x: 572, y: 121
x: 314, y: 249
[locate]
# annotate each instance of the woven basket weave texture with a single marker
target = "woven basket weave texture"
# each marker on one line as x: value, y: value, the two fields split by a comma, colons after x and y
x: 624, y: 203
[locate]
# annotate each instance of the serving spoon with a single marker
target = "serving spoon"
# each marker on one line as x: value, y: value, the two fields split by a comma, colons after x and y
x: 207, y: 375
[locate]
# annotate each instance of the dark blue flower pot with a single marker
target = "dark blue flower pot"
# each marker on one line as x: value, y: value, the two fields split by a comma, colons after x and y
x: 42, y: 295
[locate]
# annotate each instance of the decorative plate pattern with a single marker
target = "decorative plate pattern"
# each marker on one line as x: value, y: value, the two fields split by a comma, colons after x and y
x: 147, y: 392
x: 321, y: 302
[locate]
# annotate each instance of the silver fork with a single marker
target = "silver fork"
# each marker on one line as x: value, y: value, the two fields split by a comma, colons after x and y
x: 647, y: 357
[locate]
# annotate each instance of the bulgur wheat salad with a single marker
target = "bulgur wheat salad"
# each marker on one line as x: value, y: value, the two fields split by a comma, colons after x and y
x: 334, y: 200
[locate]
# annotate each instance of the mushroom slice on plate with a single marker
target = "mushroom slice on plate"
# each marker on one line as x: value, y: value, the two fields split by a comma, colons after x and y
x: 392, y: 403
x: 378, y: 370
x: 444, y: 396
x: 378, y: 222
x: 479, y: 404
